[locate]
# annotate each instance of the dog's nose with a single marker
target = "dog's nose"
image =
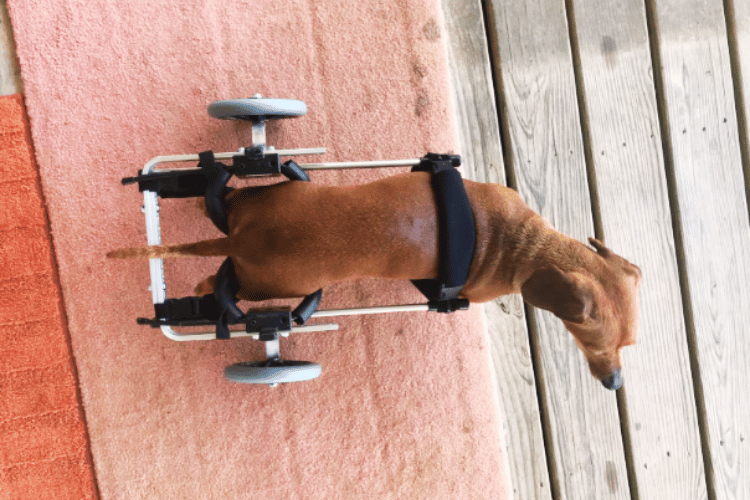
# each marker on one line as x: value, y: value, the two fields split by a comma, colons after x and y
x: 614, y: 381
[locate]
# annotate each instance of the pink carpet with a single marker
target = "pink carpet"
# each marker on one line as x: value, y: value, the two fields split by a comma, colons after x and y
x: 404, y: 408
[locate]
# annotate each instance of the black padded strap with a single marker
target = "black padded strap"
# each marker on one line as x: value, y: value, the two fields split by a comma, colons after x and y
x: 188, y: 308
x: 218, y: 176
x: 225, y: 293
x: 216, y: 189
x: 456, y: 230
x: 307, y: 307
x: 225, y: 298
x: 294, y: 172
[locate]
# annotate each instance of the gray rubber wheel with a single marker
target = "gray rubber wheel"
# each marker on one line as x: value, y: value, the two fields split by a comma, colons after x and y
x: 256, y: 108
x: 272, y: 372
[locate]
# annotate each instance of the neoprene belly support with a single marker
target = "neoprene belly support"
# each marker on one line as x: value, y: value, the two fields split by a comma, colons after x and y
x: 456, y: 230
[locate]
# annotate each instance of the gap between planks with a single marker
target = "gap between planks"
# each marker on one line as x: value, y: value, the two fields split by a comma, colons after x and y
x: 583, y: 113
x: 669, y: 165
x: 739, y: 98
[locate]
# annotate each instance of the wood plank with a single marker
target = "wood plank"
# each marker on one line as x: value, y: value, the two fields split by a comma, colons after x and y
x: 533, y: 61
x: 517, y: 393
x: 626, y: 146
x: 741, y: 16
x: 703, y: 133
x: 739, y: 38
x: 10, y: 75
x: 481, y: 151
x: 473, y: 91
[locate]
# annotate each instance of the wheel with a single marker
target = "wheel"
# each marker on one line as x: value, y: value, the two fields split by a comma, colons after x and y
x: 256, y: 108
x: 272, y: 371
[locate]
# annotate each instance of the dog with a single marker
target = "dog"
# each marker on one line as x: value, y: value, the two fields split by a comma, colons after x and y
x: 293, y: 238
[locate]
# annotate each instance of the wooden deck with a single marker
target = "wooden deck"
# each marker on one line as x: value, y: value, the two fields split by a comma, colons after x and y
x: 560, y: 100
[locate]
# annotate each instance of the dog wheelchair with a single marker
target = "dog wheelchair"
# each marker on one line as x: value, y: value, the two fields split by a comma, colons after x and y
x: 219, y: 310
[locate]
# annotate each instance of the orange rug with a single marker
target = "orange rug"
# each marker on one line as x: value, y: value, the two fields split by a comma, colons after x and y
x: 44, y: 449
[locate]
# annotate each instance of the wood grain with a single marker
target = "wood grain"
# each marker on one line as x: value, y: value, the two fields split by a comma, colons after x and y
x: 625, y: 141
x: 708, y: 179
x: 517, y: 391
x: 738, y: 17
x: 481, y: 151
x: 533, y: 59
x: 473, y: 91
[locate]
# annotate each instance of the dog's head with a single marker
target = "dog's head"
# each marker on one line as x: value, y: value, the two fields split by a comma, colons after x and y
x: 598, y: 303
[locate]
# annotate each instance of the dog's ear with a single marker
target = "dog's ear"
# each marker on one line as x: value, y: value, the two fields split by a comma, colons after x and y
x: 627, y: 267
x: 566, y: 295
x: 600, y: 247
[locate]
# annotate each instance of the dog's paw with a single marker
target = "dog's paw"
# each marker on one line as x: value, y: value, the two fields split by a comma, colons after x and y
x: 206, y: 286
x: 200, y: 204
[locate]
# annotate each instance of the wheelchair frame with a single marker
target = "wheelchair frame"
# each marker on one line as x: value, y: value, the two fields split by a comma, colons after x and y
x: 265, y: 324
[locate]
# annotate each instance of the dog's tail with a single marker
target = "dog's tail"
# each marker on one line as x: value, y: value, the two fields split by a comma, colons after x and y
x: 207, y: 248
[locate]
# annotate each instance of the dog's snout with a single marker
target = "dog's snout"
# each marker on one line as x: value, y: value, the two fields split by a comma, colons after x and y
x: 614, y: 381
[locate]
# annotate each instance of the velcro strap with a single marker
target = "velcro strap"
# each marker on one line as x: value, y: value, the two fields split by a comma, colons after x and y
x: 188, y: 308
x: 456, y: 229
x: 217, y: 177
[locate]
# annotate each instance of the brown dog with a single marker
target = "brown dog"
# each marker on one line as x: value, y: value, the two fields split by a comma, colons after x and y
x: 293, y: 238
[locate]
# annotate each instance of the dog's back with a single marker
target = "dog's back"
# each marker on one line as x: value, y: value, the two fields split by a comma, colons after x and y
x: 296, y: 237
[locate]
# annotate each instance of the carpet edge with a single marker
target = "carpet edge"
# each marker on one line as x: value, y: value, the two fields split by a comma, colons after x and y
x: 86, y: 465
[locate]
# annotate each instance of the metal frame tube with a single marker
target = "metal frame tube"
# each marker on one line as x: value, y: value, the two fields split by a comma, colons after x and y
x: 360, y: 164
x: 372, y: 310
x: 170, y: 333
x: 153, y: 162
x: 210, y: 335
x: 151, y: 165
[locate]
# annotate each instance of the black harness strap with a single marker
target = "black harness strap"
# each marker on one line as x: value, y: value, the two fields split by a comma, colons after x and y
x: 217, y: 176
x: 226, y: 286
x: 456, y: 231
x: 216, y: 189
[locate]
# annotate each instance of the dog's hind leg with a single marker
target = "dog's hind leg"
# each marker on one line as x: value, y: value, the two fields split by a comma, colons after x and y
x: 206, y: 286
x: 200, y: 204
